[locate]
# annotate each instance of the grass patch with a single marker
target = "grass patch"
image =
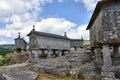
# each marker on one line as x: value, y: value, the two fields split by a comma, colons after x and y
x: 45, y: 76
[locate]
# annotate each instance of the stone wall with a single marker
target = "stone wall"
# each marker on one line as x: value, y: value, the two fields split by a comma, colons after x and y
x: 43, y: 42
x: 111, y: 22
x: 96, y: 31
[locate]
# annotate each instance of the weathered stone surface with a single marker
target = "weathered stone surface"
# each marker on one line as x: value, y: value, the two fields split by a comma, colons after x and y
x: 106, y: 55
x: 1, y: 76
x: 57, y: 66
x: 20, y: 75
x: 17, y: 58
x: 99, y: 55
x: 90, y: 71
x: 62, y: 65
x: 16, y: 66
x: 109, y: 79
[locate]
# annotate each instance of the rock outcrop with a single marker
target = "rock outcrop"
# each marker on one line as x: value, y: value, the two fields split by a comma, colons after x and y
x: 17, y: 58
x: 17, y: 72
x: 20, y: 75
x: 65, y: 65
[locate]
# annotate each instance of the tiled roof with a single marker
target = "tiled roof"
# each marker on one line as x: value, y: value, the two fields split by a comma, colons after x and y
x: 47, y: 34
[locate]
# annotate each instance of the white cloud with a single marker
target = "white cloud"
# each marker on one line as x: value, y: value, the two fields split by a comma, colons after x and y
x: 79, y: 32
x: 60, y: 0
x: 89, y: 4
x: 9, y: 8
x: 54, y: 25
x: 49, y: 25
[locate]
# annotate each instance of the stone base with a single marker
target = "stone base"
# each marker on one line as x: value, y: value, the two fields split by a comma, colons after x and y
x: 106, y: 72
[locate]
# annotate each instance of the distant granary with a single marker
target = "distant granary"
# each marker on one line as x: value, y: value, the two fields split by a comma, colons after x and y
x: 52, y: 43
x: 104, y: 29
x: 20, y: 44
x: 76, y: 43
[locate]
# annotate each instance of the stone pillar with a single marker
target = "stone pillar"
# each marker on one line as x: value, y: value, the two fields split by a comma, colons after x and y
x: 106, y: 55
x: 60, y: 53
x: 30, y: 55
x: 36, y: 56
x: 98, y: 54
x: 49, y: 53
x: 116, y: 51
x: 15, y: 52
x: 22, y: 51
x: 106, y: 72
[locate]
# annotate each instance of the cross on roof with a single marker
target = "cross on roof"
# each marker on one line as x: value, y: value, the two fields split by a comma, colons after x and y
x: 19, y: 35
x: 33, y: 27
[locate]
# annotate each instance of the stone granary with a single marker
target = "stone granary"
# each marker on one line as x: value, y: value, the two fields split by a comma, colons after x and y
x: 104, y: 29
x: 20, y: 44
x: 76, y: 43
x: 40, y: 42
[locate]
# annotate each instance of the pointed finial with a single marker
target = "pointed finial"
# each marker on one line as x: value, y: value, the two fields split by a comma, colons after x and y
x: 81, y: 37
x: 19, y: 35
x: 33, y: 27
x: 65, y: 34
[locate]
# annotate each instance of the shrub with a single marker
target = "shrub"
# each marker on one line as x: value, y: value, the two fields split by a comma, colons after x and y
x: 2, y: 60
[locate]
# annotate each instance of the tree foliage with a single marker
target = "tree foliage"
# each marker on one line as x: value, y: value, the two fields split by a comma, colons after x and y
x: 3, y: 59
x: 8, y: 55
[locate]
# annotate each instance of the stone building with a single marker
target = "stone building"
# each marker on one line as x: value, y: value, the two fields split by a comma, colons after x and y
x: 51, y: 44
x: 104, y: 29
x: 20, y: 44
x: 76, y: 43
x: 48, y: 42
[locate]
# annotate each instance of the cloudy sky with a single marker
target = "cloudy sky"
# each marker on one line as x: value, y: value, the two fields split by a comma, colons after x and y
x: 51, y: 16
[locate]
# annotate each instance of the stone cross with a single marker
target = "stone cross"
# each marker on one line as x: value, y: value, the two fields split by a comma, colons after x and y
x: 19, y: 35
x: 33, y: 27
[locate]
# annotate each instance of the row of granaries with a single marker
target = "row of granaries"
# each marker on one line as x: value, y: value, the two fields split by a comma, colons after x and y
x: 104, y: 29
x: 47, y: 42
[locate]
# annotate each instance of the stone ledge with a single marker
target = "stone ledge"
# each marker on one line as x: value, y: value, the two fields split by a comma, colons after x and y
x: 21, y: 75
x: 109, y: 79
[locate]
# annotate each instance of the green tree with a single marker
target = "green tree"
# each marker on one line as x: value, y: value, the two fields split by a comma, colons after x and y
x: 2, y: 60
x: 7, y: 56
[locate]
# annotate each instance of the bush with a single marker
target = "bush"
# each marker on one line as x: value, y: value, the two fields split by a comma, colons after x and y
x: 8, y: 55
x: 2, y: 60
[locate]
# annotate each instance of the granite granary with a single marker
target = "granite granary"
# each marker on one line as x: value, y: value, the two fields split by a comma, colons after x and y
x: 20, y: 44
x: 104, y: 29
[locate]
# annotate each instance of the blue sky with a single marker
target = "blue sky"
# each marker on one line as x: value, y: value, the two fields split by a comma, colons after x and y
x: 51, y: 16
x: 71, y: 11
